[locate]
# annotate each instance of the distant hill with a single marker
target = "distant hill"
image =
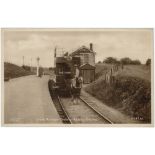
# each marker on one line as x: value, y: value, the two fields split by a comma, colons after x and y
x: 139, y: 71
x: 14, y: 71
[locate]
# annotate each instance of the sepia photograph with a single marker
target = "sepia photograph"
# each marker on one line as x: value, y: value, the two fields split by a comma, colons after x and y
x: 77, y: 77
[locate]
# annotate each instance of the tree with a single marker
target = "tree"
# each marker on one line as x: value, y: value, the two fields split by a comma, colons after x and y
x: 110, y: 60
x: 51, y: 68
x: 99, y: 62
x: 118, y: 62
x: 148, y: 62
x: 28, y: 68
x: 126, y: 61
x: 135, y: 62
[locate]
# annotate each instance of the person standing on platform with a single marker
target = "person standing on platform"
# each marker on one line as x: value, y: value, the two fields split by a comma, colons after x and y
x: 77, y: 72
x: 76, y: 86
x: 73, y: 89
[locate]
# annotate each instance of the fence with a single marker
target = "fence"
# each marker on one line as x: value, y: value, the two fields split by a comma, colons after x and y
x: 110, y: 75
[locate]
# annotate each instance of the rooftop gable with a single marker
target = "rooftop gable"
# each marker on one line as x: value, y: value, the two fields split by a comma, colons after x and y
x: 82, y: 49
x: 87, y: 66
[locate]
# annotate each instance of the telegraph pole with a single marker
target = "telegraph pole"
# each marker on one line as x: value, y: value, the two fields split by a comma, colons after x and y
x: 31, y: 64
x: 23, y: 60
x: 55, y: 55
x: 38, y: 66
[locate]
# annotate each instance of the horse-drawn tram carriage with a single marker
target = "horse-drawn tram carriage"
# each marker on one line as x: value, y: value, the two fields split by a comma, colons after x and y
x: 65, y: 68
x: 79, y: 64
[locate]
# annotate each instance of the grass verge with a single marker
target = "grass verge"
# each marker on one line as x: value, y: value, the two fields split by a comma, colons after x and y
x: 14, y: 71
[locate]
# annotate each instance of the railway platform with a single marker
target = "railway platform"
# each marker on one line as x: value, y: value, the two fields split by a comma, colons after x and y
x: 27, y: 101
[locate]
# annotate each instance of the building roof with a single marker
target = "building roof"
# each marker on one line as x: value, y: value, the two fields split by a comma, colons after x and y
x: 82, y: 49
x: 87, y: 66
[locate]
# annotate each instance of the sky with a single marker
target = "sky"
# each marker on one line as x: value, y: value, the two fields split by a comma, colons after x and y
x: 33, y: 43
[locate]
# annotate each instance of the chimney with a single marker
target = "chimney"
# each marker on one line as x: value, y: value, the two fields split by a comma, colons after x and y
x: 91, y: 46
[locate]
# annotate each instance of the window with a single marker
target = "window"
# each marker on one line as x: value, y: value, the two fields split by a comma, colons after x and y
x: 86, y: 58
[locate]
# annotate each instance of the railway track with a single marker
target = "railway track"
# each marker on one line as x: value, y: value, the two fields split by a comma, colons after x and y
x: 82, y: 113
x: 59, y: 106
x: 78, y: 113
x: 64, y: 113
x: 100, y: 114
x: 60, y: 109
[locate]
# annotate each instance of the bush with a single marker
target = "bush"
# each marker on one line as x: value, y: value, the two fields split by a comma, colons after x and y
x: 14, y: 71
x: 135, y: 62
x: 28, y: 68
x: 132, y: 95
x: 128, y: 61
x: 148, y: 62
x: 125, y: 61
x: 110, y: 60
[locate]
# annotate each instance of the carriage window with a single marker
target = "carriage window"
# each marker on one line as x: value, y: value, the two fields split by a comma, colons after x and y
x: 60, y: 70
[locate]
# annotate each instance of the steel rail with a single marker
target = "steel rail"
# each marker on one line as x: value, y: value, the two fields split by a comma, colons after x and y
x: 99, y: 113
x: 59, y: 99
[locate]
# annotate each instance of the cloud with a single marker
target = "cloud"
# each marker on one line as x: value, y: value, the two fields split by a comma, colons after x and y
x: 136, y: 44
x: 33, y: 46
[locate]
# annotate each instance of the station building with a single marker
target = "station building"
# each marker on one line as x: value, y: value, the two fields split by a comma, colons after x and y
x: 87, y: 62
